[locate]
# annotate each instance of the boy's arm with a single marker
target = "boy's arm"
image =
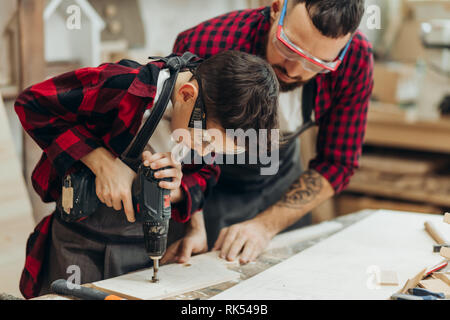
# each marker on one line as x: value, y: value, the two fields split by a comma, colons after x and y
x: 48, y: 112
x: 196, y: 186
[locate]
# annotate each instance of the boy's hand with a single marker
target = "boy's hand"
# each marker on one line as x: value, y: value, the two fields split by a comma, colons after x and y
x: 172, y: 171
x: 194, y: 242
x: 113, y: 181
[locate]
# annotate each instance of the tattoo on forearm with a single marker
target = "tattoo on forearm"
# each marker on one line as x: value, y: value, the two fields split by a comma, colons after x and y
x: 303, y: 191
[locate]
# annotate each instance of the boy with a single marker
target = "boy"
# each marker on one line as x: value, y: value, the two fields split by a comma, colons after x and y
x: 91, y: 116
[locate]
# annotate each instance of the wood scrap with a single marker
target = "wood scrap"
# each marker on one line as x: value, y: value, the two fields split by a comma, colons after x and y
x: 447, y: 218
x: 442, y: 276
x: 445, y: 252
x: 436, y: 285
x: 387, y: 278
x: 413, y: 282
x: 201, y: 271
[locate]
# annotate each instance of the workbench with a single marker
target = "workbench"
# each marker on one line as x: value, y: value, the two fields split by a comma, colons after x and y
x: 286, y: 247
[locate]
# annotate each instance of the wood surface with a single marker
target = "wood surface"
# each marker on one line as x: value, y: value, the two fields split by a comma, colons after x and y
x: 447, y: 218
x: 201, y: 271
x: 343, y: 266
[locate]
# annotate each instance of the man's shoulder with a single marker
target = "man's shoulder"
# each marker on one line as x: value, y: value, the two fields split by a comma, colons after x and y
x: 235, y: 30
x: 359, y: 58
x: 361, y: 44
x: 233, y: 18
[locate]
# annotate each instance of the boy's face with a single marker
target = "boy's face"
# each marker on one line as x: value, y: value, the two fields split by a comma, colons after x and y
x: 204, y: 142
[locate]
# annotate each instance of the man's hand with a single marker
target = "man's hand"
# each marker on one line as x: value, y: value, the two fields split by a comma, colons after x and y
x: 253, y: 236
x: 248, y: 238
x: 194, y: 242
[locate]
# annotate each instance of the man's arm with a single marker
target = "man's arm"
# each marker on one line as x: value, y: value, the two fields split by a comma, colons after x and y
x: 252, y: 236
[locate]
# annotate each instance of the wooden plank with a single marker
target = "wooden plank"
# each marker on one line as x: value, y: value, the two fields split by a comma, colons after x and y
x: 439, y: 231
x: 447, y: 218
x: 201, y: 271
x: 343, y: 266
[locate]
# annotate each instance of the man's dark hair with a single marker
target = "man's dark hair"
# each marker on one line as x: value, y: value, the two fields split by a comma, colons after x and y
x: 334, y: 18
x: 240, y: 91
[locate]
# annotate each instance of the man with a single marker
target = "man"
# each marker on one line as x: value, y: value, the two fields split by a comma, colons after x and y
x: 89, y: 117
x: 319, y: 55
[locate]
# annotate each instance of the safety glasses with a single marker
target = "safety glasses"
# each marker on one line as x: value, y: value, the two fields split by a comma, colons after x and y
x: 292, y: 52
x: 200, y: 137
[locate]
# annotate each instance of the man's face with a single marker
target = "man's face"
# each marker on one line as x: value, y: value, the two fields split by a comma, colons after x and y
x: 300, y: 29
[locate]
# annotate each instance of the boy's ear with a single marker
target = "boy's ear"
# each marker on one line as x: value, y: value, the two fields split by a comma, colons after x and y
x: 187, y: 92
x: 275, y: 9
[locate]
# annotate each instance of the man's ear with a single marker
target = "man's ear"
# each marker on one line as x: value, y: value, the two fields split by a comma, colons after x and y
x: 275, y: 10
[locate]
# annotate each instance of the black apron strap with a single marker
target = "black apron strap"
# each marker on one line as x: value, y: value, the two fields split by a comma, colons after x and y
x: 175, y: 65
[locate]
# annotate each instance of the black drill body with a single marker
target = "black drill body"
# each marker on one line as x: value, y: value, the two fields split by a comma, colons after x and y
x: 152, y: 207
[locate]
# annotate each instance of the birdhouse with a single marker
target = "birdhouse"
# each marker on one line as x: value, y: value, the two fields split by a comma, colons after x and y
x: 73, y: 33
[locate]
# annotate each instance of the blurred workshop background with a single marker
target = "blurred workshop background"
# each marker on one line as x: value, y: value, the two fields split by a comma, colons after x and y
x: 406, y: 160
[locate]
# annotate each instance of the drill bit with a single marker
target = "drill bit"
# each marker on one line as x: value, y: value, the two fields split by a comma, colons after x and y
x: 155, y: 270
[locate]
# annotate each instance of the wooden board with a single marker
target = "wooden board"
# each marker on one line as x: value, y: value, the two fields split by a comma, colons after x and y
x: 445, y: 252
x: 344, y: 265
x: 201, y: 271
x: 16, y: 221
x: 447, y: 218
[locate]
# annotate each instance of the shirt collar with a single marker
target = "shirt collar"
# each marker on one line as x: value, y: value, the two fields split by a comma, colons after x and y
x: 145, y: 83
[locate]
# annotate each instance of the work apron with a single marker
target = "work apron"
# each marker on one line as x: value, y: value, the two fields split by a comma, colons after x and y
x: 103, y: 246
x: 242, y: 192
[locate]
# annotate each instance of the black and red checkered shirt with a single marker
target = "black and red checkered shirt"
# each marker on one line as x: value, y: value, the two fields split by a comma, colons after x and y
x: 342, y: 97
x: 71, y: 115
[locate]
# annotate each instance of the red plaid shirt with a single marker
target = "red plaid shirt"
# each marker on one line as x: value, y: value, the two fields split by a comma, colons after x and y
x: 71, y: 115
x: 342, y: 97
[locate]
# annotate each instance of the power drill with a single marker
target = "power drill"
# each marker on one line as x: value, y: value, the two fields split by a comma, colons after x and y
x: 153, y: 209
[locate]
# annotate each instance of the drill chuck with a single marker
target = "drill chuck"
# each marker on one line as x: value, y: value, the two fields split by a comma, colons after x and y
x: 155, y: 237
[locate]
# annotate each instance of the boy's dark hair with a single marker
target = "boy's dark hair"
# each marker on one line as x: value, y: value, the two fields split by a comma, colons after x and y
x: 240, y: 91
x: 334, y: 18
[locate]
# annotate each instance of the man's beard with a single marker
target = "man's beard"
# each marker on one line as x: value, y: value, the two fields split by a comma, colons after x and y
x: 287, y: 87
